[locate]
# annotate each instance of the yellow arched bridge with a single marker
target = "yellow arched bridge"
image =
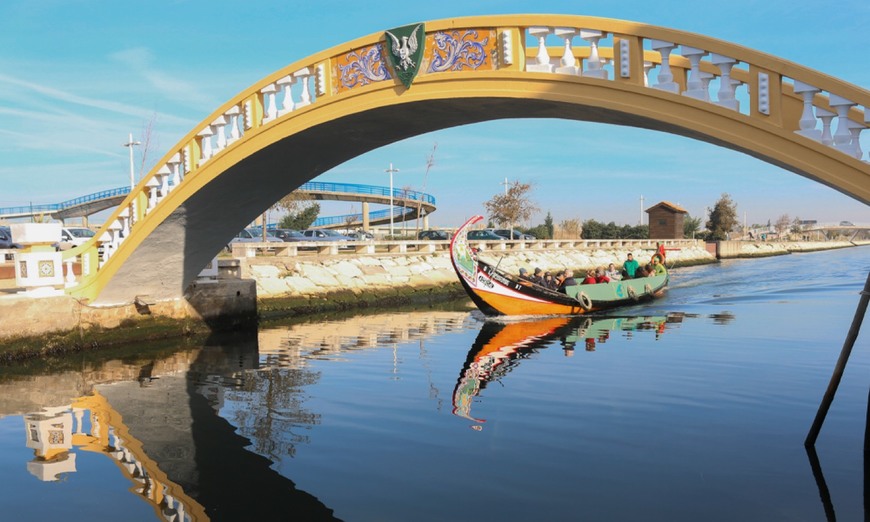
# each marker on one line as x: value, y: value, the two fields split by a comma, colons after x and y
x: 318, y: 112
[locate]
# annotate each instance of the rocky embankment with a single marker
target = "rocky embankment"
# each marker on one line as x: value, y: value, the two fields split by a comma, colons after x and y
x: 278, y: 277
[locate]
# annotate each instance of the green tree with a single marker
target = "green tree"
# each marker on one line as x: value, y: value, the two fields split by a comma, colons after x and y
x: 302, y: 219
x: 513, y: 207
x: 548, y: 224
x: 301, y: 210
x: 691, y: 225
x: 723, y: 218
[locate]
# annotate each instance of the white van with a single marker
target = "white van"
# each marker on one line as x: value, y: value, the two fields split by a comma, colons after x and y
x: 73, y: 237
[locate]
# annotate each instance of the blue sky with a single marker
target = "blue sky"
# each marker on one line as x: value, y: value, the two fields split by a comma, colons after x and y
x: 76, y: 76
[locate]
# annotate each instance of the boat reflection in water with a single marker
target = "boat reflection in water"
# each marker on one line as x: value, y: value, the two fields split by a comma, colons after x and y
x: 500, y: 346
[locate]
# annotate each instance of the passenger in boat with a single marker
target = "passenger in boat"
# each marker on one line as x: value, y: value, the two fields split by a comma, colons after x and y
x: 658, y: 266
x: 549, y: 282
x: 567, y: 280
x: 629, y: 267
x: 601, y: 276
x: 524, y: 274
x: 538, y: 277
x: 644, y: 271
x: 612, y: 272
x: 591, y: 278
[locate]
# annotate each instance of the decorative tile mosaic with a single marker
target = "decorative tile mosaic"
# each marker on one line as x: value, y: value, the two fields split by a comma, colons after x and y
x: 360, y: 67
x: 461, y: 49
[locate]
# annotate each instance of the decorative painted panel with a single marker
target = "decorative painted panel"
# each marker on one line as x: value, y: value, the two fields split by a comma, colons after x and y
x: 360, y: 67
x: 461, y: 49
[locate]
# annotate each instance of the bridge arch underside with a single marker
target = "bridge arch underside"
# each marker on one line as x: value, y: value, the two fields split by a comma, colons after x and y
x: 228, y: 192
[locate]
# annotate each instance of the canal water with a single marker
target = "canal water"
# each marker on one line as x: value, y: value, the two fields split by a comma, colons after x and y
x: 694, y: 407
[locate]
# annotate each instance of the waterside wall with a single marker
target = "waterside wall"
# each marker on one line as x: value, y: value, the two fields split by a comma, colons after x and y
x: 268, y: 286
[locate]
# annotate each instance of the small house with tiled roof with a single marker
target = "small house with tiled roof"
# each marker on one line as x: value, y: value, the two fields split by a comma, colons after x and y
x: 666, y: 221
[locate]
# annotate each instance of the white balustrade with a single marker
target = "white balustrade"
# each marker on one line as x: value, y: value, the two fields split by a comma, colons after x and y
x: 594, y: 66
x: 665, y: 79
x: 285, y: 84
x: 270, y: 109
x: 233, y: 113
x: 302, y: 75
x: 843, y: 135
x: 726, y: 97
x: 807, y: 123
x: 124, y: 220
x: 175, y: 167
x: 827, y: 118
x: 855, y: 145
x: 205, y: 144
x: 542, y: 59
x: 151, y: 185
x: 70, y: 276
x: 694, y: 83
x: 568, y: 63
x: 220, y: 124
x: 647, y: 69
x: 163, y: 174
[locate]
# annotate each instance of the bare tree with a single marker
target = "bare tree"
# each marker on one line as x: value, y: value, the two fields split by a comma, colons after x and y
x: 514, y: 206
x: 295, y: 202
x: 349, y: 219
x: 569, y: 229
x: 147, y: 143
x: 782, y: 225
x: 430, y: 162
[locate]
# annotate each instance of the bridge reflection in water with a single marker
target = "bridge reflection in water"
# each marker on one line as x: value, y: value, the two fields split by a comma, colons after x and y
x: 243, y: 408
x: 185, y: 460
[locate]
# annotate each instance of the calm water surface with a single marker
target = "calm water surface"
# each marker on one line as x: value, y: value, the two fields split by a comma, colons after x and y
x: 692, y: 408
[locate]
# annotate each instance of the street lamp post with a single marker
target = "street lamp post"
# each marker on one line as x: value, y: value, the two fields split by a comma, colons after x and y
x: 390, y: 171
x: 130, y: 145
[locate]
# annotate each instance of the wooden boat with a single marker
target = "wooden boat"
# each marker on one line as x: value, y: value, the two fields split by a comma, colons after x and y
x: 497, y: 293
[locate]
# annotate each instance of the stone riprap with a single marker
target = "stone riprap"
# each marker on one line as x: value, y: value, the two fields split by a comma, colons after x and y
x: 283, y: 276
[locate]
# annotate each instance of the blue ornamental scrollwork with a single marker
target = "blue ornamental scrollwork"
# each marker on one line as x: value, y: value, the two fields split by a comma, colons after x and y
x: 456, y: 50
x: 364, y: 66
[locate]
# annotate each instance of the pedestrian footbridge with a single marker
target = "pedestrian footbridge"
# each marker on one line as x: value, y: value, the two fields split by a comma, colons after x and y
x: 407, y: 204
x: 320, y: 111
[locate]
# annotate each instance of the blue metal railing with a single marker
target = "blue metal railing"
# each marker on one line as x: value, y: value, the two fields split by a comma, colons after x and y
x: 311, y: 186
x: 357, y: 218
x: 55, y: 207
x: 353, y: 188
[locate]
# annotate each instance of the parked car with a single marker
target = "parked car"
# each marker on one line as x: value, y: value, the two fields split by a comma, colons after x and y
x: 434, y: 235
x: 6, y: 238
x: 317, y: 234
x: 846, y: 224
x: 287, y: 235
x: 517, y: 235
x: 361, y: 236
x: 483, y: 235
x: 253, y: 235
x: 71, y: 237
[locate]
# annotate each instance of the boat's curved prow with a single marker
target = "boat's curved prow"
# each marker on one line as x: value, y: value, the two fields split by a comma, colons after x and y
x: 464, y: 260
x: 497, y: 293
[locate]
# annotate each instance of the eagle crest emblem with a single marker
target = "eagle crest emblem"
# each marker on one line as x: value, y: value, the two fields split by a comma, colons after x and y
x: 405, y: 51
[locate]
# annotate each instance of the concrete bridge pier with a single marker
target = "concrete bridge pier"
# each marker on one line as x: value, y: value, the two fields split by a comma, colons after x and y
x: 365, y: 216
